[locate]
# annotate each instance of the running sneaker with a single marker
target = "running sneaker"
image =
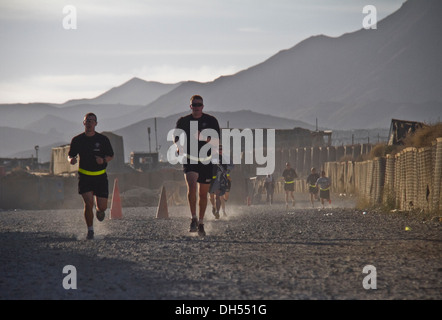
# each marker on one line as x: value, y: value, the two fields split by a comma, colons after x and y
x: 194, y: 225
x: 101, y: 215
x: 90, y: 234
x: 201, y: 231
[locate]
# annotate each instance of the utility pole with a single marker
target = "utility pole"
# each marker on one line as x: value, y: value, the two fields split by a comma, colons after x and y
x: 156, y: 138
x: 36, y: 153
x: 148, y: 132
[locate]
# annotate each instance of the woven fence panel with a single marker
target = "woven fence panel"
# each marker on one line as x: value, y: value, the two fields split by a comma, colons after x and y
x: 377, y: 184
x: 437, y: 176
x: 349, y: 178
x: 388, y: 193
x: 424, y: 166
x: 410, y: 178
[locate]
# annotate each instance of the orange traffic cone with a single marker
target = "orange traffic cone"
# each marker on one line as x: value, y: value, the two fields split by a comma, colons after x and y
x: 116, y: 211
x: 162, y: 211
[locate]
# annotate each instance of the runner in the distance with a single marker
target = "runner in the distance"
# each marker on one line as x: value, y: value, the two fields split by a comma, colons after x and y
x: 95, y: 152
x: 324, y: 188
x: 197, y: 174
x: 289, y: 175
x: 312, y: 188
x: 221, y: 184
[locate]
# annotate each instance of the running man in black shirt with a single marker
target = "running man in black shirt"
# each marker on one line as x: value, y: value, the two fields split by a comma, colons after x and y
x: 312, y: 188
x: 95, y: 152
x: 289, y: 175
x: 197, y: 169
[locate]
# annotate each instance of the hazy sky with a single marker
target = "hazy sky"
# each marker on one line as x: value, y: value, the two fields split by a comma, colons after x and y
x: 160, y: 40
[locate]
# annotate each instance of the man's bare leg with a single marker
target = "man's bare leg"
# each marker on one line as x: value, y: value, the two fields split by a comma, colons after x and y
x: 191, y: 180
x: 203, y: 191
x: 88, y: 199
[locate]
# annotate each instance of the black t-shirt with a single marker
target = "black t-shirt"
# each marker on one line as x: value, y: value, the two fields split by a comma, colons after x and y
x: 206, y: 121
x: 289, y: 174
x: 312, y: 178
x: 89, y: 147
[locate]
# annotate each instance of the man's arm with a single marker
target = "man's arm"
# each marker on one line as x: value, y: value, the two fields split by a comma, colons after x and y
x: 73, y: 153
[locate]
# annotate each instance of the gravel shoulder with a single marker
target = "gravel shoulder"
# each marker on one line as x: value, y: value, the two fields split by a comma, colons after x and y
x: 257, y: 252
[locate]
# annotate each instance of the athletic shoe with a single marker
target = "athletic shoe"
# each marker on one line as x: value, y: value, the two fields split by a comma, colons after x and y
x: 101, y: 215
x: 194, y: 225
x: 201, y: 231
x: 90, y: 234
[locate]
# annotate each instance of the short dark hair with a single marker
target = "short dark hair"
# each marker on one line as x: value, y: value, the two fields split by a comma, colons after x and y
x: 90, y: 114
x: 196, y: 97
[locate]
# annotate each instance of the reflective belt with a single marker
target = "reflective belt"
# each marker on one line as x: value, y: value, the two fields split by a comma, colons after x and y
x: 313, y: 185
x: 190, y: 157
x: 324, y: 189
x: 92, y: 173
x: 290, y: 181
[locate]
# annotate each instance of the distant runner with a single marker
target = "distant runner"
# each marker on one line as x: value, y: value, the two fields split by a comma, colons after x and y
x: 324, y: 188
x: 289, y: 175
x: 312, y: 188
x: 220, y: 186
x: 95, y: 152
x: 269, y: 185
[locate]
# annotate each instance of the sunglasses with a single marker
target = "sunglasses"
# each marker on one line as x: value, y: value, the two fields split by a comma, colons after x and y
x: 198, y: 104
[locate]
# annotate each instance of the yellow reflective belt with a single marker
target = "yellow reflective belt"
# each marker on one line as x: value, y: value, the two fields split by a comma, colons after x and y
x: 290, y: 181
x: 198, y: 159
x: 92, y: 173
x: 324, y: 189
x: 313, y: 185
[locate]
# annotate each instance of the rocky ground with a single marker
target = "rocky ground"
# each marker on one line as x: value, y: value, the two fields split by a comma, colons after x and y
x: 257, y: 252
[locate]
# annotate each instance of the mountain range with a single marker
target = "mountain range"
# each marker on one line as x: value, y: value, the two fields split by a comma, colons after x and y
x: 360, y: 80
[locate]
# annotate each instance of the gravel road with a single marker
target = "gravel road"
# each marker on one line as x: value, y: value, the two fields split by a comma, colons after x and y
x: 257, y: 252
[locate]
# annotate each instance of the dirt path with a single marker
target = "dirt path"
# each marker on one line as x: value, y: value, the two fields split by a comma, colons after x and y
x: 257, y: 252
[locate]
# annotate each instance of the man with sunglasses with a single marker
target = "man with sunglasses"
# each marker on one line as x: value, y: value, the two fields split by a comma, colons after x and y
x: 95, y: 151
x: 197, y: 170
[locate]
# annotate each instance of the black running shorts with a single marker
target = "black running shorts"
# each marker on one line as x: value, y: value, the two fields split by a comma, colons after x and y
x: 204, y: 171
x: 313, y: 190
x: 324, y: 194
x: 97, y: 184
